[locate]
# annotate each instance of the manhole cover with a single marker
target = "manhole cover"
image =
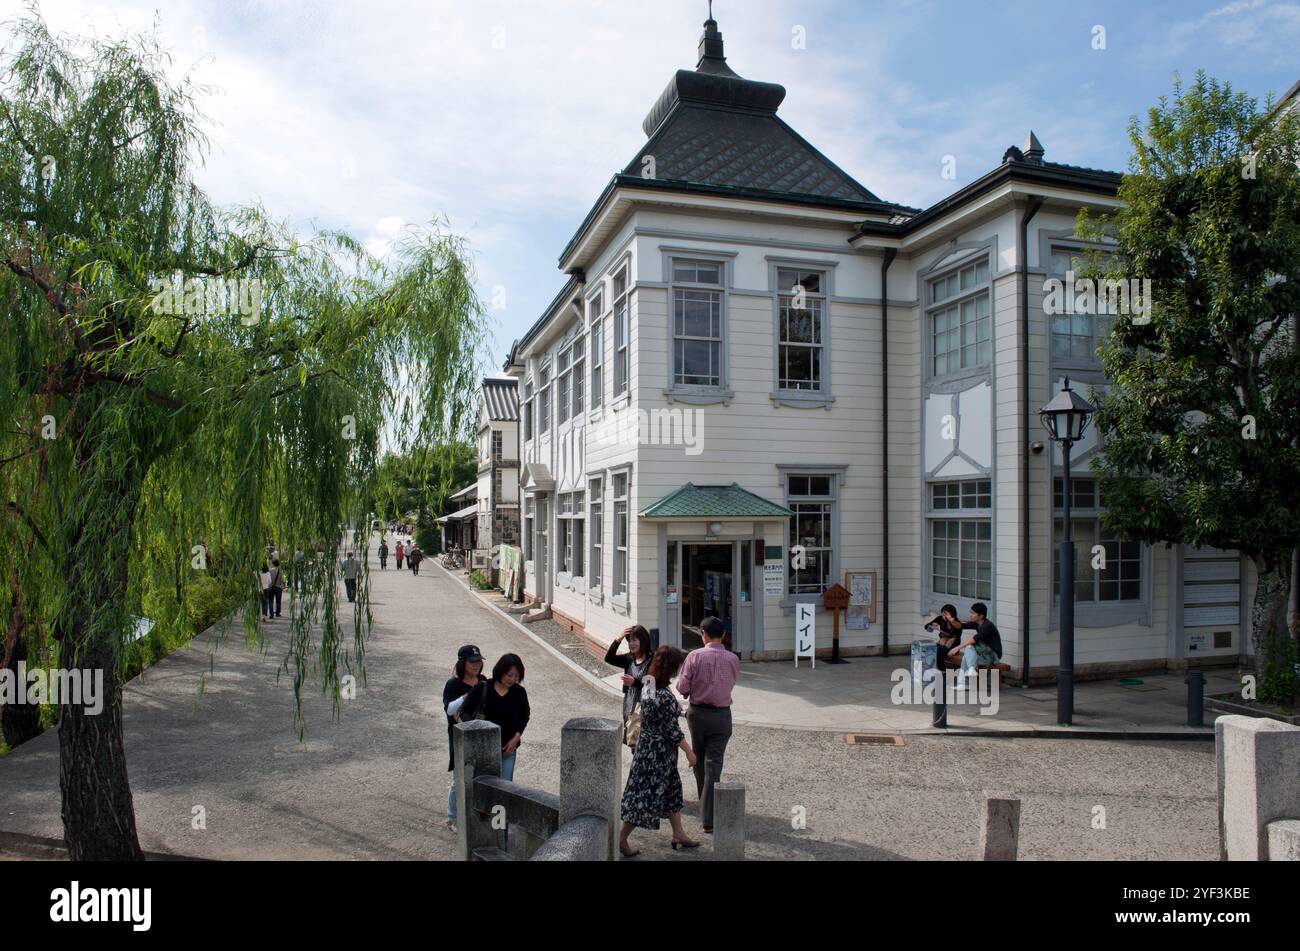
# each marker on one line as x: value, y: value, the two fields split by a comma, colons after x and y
x: 873, y: 739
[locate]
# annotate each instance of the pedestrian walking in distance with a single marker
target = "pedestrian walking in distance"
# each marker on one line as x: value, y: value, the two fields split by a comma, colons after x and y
x: 383, y: 554
x: 654, y: 786
x: 707, y: 678
x: 415, y: 557
x: 468, y: 675
x: 399, y: 553
x: 634, y: 665
x: 350, y: 568
x: 264, y: 591
x: 275, y: 589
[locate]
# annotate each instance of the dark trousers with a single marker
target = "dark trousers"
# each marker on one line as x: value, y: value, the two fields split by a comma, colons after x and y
x: 383, y: 562
x: 273, y: 601
x: 415, y: 567
x: 351, y: 585
x: 710, y: 730
x: 399, y: 562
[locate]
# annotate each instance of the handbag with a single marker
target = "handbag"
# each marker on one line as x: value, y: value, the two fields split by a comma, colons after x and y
x: 633, y: 732
x: 477, y: 714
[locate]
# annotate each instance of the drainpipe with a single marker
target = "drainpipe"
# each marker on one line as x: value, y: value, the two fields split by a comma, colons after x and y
x: 1031, y: 209
x: 888, y: 259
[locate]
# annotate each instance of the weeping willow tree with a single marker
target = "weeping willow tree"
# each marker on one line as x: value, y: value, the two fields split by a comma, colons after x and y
x: 183, y: 385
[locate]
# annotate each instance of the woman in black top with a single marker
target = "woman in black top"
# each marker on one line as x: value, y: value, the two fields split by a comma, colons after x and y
x: 503, y: 701
x: 469, y: 674
x: 633, y: 664
x: 948, y: 626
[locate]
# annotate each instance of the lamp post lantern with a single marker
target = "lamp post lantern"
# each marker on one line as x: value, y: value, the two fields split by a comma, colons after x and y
x: 1066, y: 419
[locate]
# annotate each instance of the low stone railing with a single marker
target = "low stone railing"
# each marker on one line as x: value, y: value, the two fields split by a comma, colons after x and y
x: 1259, y: 788
x: 580, y: 824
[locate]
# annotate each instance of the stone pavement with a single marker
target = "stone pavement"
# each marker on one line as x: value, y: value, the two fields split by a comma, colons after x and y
x: 373, y: 785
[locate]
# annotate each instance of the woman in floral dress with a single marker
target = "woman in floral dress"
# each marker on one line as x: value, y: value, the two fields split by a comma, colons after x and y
x: 654, y: 787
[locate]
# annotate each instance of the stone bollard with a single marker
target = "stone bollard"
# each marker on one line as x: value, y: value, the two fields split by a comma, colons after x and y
x: 729, y: 822
x: 1000, y: 830
x: 590, y: 757
x: 1284, y: 840
x: 1261, y: 760
x: 477, y: 746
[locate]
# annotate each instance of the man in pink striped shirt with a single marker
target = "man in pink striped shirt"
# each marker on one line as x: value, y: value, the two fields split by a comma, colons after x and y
x: 706, y: 680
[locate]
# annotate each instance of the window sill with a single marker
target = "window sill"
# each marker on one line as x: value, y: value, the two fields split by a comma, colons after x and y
x: 595, y: 596
x: 621, y: 402
x: 620, y: 603
x: 789, y: 602
x: 596, y: 415
x: 1101, y: 616
x: 799, y: 399
x: 704, y: 396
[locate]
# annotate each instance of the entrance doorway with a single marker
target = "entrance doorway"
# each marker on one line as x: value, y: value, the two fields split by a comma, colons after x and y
x: 706, y: 590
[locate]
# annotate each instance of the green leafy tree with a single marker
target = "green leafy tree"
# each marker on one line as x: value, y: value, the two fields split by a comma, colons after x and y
x: 1201, y: 428
x: 183, y: 385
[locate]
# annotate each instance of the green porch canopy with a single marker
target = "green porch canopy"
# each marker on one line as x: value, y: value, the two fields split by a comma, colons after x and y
x: 714, y: 501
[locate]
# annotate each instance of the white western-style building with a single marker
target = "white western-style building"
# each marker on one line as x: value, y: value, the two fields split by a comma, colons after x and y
x: 817, y: 367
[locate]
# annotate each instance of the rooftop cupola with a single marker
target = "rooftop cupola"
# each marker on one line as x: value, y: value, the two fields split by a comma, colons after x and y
x: 713, y: 84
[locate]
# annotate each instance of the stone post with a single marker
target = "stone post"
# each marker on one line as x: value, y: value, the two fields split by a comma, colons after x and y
x: 729, y: 822
x: 589, y: 774
x: 1261, y: 760
x: 1000, y: 830
x: 1284, y: 840
x: 477, y: 746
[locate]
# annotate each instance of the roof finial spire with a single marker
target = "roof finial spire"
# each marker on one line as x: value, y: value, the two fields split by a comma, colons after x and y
x: 711, y: 41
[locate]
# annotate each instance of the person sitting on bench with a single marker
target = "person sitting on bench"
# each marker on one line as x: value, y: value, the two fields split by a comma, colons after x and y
x: 948, y: 629
x: 983, y: 647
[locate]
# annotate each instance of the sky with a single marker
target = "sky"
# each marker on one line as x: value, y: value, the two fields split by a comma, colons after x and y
x: 507, y: 119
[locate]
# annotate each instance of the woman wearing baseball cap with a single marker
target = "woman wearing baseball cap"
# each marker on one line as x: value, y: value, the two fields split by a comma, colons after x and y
x: 469, y: 674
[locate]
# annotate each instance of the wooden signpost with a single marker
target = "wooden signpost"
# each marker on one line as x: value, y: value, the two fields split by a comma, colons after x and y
x: 836, y: 598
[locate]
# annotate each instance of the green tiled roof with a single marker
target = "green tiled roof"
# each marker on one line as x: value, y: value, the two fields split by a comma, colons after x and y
x: 714, y: 501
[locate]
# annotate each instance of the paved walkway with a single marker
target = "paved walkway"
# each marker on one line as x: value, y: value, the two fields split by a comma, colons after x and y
x: 373, y: 785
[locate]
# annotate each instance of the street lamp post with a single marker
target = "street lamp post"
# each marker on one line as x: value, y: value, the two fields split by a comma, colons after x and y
x: 1066, y: 419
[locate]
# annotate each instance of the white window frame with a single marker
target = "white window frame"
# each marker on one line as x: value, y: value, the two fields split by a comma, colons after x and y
x: 716, y: 292
x: 622, y: 310
x: 1097, y: 613
x: 962, y: 514
x: 621, y: 579
x: 544, y: 397
x: 977, y: 290
x: 836, y: 472
x: 596, y: 533
x: 596, y: 342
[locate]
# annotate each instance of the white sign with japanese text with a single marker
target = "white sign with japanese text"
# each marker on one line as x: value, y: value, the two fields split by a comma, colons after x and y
x: 805, y: 633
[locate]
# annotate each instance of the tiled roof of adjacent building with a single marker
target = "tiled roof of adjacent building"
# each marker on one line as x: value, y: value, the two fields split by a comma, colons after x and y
x: 501, y: 398
x: 714, y: 501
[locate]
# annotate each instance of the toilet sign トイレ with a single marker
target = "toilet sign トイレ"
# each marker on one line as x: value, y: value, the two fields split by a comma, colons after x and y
x: 805, y: 633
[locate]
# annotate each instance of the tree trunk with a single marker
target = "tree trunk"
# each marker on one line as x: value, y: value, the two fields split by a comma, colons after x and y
x: 98, y: 809
x: 20, y: 722
x: 1269, y: 629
